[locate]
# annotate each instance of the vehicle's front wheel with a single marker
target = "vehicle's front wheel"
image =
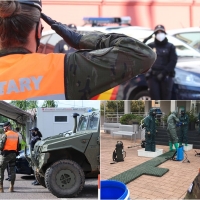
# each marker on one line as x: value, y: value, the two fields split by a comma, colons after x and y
x: 143, y: 95
x: 65, y: 178
x: 40, y: 179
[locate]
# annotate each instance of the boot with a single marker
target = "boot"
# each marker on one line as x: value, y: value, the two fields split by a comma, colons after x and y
x: 170, y: 146
x: 1, y: 188
x: 176, y: 145
x: 11, y: 189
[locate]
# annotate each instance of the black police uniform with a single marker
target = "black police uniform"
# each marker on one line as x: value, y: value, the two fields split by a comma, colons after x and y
x: 160, y: 77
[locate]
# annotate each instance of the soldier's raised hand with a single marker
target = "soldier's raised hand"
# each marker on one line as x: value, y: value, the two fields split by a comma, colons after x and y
x: 71, y: 37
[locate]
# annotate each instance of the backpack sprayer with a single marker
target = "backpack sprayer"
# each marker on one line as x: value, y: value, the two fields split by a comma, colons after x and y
x: 118, y: 154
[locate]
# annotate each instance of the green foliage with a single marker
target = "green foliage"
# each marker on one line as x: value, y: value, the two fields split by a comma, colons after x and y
x: 129, y: 119
x: 114, y: 106
x: 24, y: 104
x: 50, y: 104
x: 192, y: 116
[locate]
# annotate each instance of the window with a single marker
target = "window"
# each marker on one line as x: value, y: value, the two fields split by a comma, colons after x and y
x: 82, y: 126
x: 191, y: 38
x: 60, y: 118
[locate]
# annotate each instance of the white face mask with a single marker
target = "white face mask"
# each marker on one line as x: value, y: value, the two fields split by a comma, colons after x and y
x: 160, y: 36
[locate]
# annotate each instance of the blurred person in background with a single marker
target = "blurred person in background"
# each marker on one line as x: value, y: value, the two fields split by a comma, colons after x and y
x: 160, y: 76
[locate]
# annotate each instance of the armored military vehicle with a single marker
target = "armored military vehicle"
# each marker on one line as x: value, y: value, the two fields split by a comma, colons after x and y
x: 62, y: 162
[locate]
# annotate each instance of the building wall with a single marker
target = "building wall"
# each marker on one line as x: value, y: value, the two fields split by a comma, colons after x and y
x: 148, y: 13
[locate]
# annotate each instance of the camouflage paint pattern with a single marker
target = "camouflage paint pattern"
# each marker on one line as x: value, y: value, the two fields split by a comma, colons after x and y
x: 4, y: 160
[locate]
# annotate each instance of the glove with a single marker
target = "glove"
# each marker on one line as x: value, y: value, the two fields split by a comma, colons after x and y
x: 161, y: 76
x: 148, y: 38
x: 71, y: 38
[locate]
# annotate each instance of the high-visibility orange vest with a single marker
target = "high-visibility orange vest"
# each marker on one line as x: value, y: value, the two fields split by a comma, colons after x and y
x: 11, y: 141
x: 32, y: 76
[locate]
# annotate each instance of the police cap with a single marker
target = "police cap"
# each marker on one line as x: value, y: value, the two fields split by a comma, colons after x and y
x: 35, y: 3
x: 34, y: 129
x: 159, y: 28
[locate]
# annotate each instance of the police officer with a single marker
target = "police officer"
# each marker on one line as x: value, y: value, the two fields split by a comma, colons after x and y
x: 35, y: 136
x: 9, y: 144
x: 184, y: 119
x: 160, y: 77
x: 103, y: 62
x: 150, y: 131
x: 172, y: 120
x: 62, y: 46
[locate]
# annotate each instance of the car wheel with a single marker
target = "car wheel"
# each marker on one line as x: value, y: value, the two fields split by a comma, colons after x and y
x: 65, y: 178
x: 143, y: 95
x: 40, y: 179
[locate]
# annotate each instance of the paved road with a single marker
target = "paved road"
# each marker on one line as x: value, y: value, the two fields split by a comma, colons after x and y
x: 25, y: 190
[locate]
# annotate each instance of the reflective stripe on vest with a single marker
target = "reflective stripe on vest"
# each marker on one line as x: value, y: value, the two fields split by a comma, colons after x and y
x: 11, y: 141
x: 32, y: 76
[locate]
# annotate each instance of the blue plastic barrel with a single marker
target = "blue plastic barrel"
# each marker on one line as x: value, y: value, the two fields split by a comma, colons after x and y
x: 180, y: 153
x: 113, y: 190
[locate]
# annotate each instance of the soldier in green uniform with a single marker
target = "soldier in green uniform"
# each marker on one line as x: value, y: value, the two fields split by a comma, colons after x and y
x: 9, y: 145
x: 150, y: 131
x: 184, y: 119
x: 171, y: 129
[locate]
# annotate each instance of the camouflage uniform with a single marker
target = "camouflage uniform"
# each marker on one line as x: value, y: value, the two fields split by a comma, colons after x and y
x: 194, y: 191
x: 150, y: 127
x: 184, y: 119
x: 171, y: 130
x: 4, y: 160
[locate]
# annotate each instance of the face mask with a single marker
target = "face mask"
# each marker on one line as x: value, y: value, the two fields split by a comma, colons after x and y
x: 160, y: 37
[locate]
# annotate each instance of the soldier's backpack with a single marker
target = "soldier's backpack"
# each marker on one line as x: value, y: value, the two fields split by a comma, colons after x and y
x: 119, y: 154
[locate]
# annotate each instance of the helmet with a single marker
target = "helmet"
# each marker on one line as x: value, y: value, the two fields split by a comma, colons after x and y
x: 35, y: 3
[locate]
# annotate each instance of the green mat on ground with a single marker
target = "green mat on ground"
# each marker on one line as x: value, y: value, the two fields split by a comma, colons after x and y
x: 147, y: 168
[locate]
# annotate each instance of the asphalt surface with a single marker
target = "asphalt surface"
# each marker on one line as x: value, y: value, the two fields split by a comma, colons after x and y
x: 25, y: 190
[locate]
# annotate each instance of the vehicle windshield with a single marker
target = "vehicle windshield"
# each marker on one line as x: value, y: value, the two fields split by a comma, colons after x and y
x: 93, y: 122
x: 182, y: 49
x: 82, y: 125
x: 190, y: 38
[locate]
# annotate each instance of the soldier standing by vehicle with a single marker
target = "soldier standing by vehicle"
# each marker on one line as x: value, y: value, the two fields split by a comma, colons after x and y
x: 9, y: 144
x: 160, y: 77
x: 184, y: 119
x: 150, y: 131
x: 103, y: 62
x: 171, y: 130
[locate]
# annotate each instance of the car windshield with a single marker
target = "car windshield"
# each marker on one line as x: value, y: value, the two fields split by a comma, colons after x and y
x: 190, y: 38
x: 182, y: 49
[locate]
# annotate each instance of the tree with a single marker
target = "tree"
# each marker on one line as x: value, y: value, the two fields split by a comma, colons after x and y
x: 50, y: 104
x: 25, y: 104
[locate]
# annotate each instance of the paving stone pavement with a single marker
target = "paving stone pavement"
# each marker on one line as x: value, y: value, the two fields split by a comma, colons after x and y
x: 173, y: 185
